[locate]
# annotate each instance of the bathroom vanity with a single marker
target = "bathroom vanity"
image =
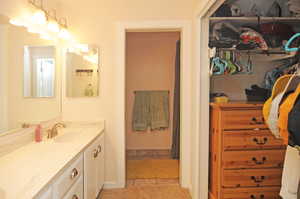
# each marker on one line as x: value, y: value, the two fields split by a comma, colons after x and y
x: 68, y: 166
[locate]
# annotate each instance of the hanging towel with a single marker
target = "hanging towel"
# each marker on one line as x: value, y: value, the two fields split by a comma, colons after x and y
x: 141, y: 111
x: 291, y: 174
x: 159, y: 110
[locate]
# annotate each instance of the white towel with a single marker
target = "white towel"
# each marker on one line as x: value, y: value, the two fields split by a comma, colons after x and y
x: 291, y: 174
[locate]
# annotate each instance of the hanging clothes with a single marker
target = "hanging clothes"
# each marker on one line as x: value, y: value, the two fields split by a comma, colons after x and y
x: 291, y: 174
x: 284, y: 111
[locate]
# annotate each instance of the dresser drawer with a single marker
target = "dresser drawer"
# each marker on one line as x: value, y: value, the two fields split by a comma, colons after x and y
x: 251, y: 195
x: 68, y: 178
x: 251, y: 178
x: 76, y: 192
x: 243, y: 139
x: 253, y: 159
x: 243, y: 119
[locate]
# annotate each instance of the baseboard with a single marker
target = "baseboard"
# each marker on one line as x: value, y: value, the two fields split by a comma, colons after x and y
x: 113, y: 185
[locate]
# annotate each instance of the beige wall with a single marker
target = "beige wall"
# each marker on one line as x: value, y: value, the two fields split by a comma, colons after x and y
x: 97, y: 24
x: 150, y: 65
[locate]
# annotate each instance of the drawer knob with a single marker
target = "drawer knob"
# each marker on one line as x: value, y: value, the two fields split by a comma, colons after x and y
x: 95, y: 154
x: 254, y: 197
x: 74, y: 173
x: 264, y: 159
x: 75, y: 196
x: 258, y: 179
x: 254, y: 121
x: 261, y: 141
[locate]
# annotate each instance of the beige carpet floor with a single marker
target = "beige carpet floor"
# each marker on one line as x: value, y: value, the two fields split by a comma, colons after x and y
x: 153, y: 169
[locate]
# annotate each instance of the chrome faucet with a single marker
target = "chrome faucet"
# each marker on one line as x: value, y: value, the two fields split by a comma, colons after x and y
x: 53, y: 131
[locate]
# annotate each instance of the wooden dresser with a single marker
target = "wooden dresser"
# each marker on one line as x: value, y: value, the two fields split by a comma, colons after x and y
x: 245, y: 158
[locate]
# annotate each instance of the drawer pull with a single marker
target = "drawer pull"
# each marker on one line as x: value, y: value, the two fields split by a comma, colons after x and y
x: 264, y: 159
x: 99, y: 150
x: 260, y: 142
x: 75, y: 196
x: 95, y: 154
x: 258, y: 179
x: 254, y: 121
x: 74, y: 173
x: 261, y: 197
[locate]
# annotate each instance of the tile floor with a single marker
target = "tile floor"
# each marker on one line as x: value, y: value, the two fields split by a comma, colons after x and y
x: 155, y: 188
x: 148, y: 189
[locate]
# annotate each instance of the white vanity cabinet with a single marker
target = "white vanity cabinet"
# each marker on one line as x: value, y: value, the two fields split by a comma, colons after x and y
x: 69, y: 185
x: 94, y: 168
x: 46, y: 194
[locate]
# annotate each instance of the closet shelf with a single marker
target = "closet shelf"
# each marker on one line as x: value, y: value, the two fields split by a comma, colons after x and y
x: 272, y: 51
x: 255, y: 19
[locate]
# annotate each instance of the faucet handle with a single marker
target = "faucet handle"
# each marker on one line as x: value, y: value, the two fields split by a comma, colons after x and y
x: 49, y: 133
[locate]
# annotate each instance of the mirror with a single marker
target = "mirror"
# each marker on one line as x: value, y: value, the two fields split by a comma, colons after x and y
x: 39, y: 71
x: 82, y: 70
x: 29, y: 87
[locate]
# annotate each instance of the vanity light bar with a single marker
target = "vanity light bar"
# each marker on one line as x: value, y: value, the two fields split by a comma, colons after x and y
x: 44, y: 22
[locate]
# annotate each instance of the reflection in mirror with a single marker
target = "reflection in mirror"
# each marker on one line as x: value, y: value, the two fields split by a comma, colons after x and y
x: 82, y: 72
x: 37, y: 67
x: 39, y: 71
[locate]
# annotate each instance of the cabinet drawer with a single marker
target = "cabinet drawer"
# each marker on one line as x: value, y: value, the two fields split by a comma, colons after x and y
x: 251, y: 195
x: 239, y: 140
x: 76, y: 192
x: 251, y: 178
x: 253, y: 159
x: 68, y: 178
x: 243, y: 119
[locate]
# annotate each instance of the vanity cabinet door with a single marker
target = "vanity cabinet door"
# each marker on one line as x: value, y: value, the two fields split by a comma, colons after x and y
x: 46, y: 194
x: 100, y: 163
x: 90, y: 172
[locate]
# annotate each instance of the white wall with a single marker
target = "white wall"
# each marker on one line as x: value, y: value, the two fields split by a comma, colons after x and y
x: 97, y: 24
x: 19, y: 109
x: 3, y: 78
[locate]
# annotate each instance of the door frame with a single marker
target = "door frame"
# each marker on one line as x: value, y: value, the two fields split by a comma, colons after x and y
x: 186, y: 92
x: 202, y: 63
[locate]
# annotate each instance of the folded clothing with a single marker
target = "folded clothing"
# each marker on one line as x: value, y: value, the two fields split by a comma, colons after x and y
x: 291, y: 174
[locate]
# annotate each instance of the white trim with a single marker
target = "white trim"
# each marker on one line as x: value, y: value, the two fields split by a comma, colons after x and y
x: 112, y: 185
x: 186, y: 116
x: 203, y: 77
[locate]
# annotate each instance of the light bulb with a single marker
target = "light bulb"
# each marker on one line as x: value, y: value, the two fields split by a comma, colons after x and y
x: 33, y: 29
x: 64, y: 34
x: 53, y: 26
x: 17, y: 22
x: 46, y: 36
x: 39, y: 17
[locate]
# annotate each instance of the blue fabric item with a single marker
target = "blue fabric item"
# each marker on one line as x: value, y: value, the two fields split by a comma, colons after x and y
x: 290, y: 41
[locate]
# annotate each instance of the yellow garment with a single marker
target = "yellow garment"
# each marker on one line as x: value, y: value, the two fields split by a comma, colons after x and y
x: 279, y: 87
x: 284, y: 111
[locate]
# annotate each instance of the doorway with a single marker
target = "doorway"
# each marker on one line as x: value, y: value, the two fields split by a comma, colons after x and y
x: 152, y: 107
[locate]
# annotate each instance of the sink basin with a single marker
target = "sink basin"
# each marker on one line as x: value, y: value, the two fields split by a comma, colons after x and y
x: 67, y: 135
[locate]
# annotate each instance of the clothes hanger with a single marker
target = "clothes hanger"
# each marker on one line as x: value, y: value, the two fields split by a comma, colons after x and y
x: 287, y: 45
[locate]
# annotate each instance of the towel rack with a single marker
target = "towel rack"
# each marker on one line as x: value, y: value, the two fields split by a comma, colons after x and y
x: 152, y: 91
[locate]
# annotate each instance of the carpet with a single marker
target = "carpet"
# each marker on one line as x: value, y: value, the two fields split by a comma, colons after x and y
x: 153, y: 169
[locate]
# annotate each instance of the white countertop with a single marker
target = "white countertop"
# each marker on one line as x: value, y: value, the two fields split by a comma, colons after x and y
x: 29, y: 169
